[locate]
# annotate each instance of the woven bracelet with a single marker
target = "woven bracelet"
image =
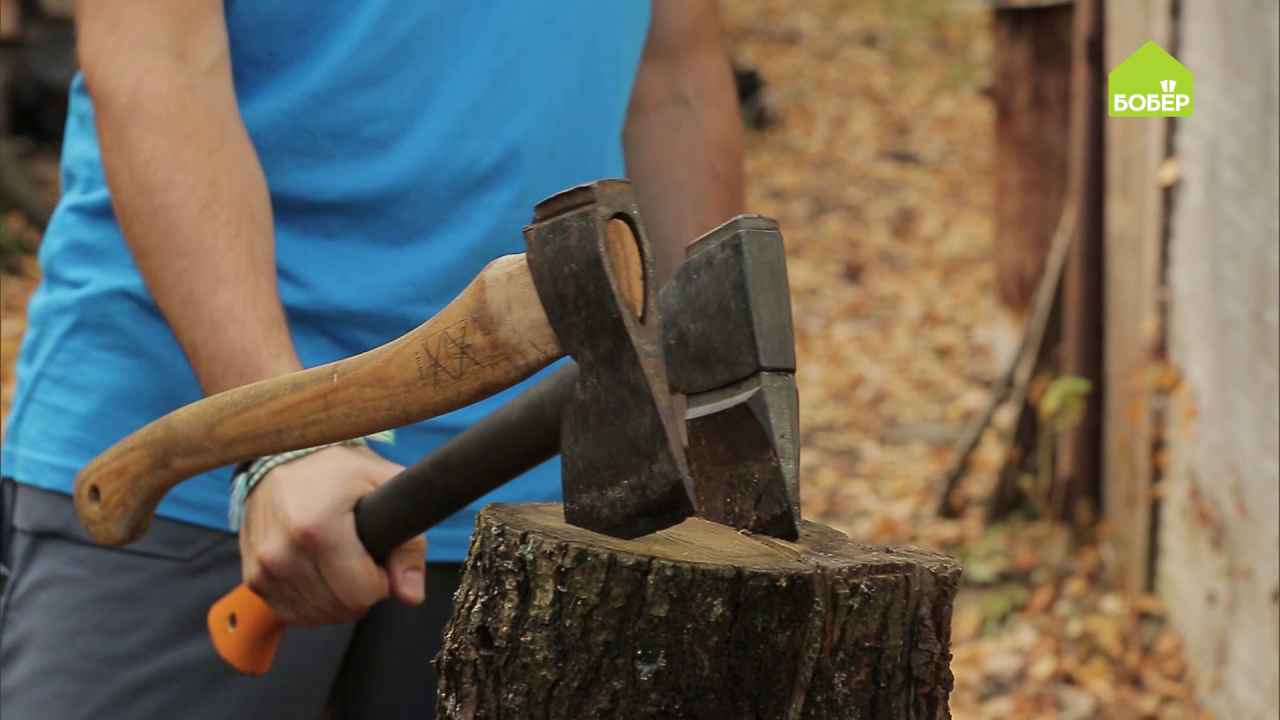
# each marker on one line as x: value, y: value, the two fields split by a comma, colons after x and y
x: 248, y: 475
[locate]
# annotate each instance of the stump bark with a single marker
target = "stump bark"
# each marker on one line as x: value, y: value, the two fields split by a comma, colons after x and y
x: 696, y: 621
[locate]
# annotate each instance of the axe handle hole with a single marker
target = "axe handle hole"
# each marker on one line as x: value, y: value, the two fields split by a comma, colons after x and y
x: 626, y: 265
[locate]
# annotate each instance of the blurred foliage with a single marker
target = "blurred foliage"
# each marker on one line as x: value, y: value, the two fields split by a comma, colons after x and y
x: 1060, y: 407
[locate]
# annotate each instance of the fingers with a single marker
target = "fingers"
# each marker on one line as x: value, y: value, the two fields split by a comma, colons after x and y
x: 280, y: 578
x: 352, y: 579
x: 283, y: 570
x: 298, y: 542
x: 406, y: 567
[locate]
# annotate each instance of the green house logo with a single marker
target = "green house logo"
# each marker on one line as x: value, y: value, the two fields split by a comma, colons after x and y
x: 1150, y: 83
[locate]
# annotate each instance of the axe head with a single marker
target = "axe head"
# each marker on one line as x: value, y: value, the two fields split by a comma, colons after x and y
x: 623, y: 469
x: 729, y: 345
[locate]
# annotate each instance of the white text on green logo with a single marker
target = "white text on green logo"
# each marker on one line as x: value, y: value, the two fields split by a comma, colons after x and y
x: 1150, y: 83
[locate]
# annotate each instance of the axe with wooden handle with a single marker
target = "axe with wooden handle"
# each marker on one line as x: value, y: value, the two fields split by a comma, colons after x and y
x: 728, y: 343
x: 494, y: 334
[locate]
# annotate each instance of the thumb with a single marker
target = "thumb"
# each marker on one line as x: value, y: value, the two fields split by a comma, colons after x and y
x: 406, y: 566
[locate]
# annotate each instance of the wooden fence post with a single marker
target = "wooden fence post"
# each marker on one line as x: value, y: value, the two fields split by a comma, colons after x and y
x: 1078, y: 470
x: 1031, y: 91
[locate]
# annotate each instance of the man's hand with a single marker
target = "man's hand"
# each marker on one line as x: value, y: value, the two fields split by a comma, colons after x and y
x: 299, y: 548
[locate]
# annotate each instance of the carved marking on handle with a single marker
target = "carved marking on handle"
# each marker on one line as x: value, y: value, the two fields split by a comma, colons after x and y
x: 445, y: 357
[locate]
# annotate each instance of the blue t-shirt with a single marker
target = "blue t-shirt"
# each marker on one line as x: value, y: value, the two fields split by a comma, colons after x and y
x: 405, y: 145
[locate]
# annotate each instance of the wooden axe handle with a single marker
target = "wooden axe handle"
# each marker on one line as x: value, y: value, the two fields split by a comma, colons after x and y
x: 494, y: 334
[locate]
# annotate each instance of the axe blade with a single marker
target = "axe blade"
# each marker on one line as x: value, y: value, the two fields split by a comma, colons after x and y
x: 730, y: 346
x: 744, y: 454
x: 623, y: 470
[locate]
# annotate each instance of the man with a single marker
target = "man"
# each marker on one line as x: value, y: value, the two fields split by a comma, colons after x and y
x: 254, y: 188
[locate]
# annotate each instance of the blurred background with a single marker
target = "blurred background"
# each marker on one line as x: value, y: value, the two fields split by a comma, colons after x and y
x: 1036, y: 338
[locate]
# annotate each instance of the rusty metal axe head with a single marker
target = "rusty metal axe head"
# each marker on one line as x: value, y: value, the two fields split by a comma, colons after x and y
x: 622, y: 464
x: 729, y: 346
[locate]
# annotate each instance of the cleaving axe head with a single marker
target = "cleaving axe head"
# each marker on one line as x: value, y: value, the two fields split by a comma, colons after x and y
x: 720, y: 333
x: 730, y: 347
x: 623, y: 470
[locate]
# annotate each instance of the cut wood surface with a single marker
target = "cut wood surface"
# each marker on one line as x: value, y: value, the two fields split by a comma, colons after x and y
x: 696, y: 621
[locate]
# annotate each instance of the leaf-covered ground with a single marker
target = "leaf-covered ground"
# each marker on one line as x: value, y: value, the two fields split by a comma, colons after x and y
x: 880, y: 173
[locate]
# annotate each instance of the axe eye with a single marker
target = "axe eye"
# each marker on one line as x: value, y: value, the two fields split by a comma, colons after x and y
x: 626, y: 266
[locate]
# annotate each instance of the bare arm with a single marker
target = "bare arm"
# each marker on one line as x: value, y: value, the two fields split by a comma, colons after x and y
x: 191, y: 198
x: 683, y: 136
x: 185, y: 181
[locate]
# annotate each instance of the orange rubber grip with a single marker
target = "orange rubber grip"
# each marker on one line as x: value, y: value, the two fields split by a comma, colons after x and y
x: 245, y: 630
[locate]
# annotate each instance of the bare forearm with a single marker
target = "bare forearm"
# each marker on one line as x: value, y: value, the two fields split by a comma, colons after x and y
x: 683, y: 136
x: 188, y: 189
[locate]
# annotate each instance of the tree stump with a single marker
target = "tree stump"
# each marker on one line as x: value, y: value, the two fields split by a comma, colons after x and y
x: 696, y: 621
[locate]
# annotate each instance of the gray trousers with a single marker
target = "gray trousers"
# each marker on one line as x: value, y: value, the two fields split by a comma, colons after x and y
x: 93, y: 632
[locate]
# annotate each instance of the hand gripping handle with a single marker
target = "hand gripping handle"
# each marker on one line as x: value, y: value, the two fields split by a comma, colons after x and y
x: 512, y: 440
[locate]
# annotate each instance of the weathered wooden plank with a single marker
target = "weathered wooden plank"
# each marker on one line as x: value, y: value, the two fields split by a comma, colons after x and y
x: 1219, y: 529
x: 1134, y: 246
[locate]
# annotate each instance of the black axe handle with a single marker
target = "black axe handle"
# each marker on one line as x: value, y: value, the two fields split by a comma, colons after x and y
x: 513, y: 439
x: 508, y: 442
